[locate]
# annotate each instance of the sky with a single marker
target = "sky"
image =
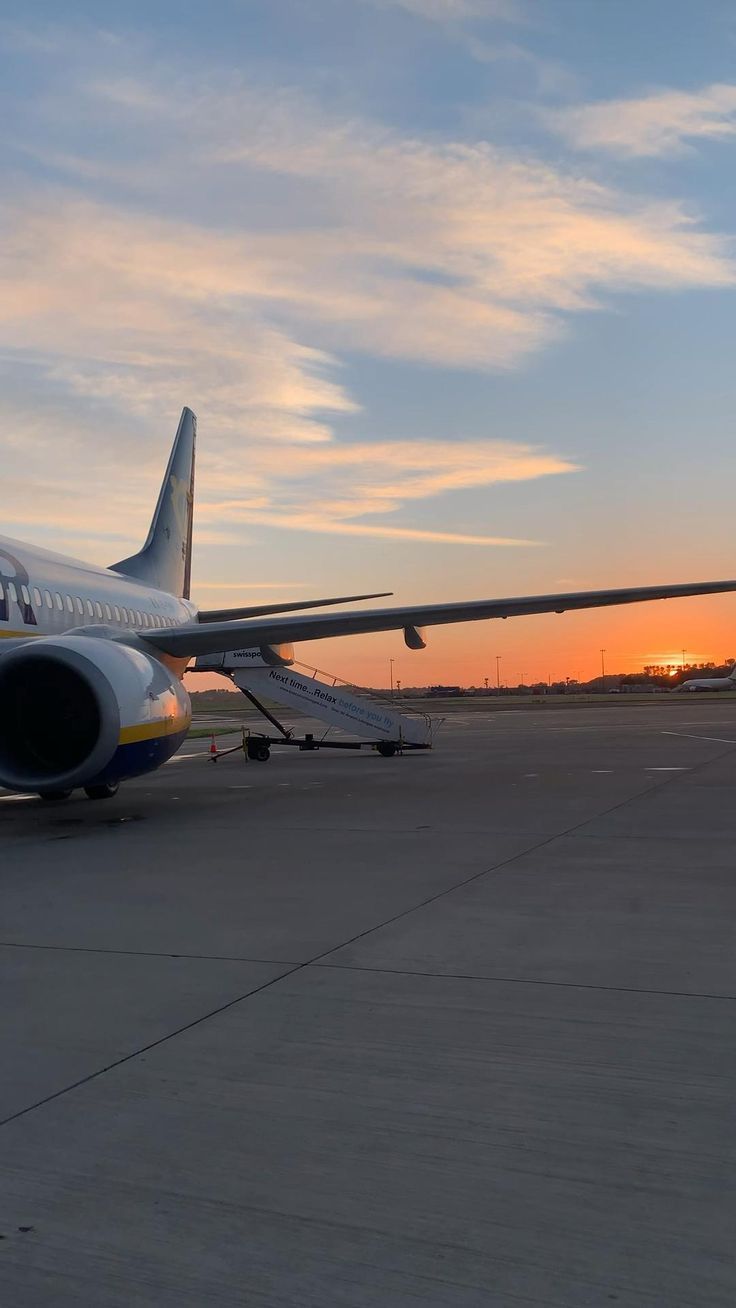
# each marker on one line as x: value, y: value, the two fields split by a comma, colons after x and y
x: 451, y: 285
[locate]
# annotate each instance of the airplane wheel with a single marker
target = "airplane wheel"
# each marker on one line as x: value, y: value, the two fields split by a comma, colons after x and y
x: 106, y: 791
x: 51, y: 796
x: 386, y: 749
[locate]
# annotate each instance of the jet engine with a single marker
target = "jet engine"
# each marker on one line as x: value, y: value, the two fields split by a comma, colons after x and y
x: 83, y: 710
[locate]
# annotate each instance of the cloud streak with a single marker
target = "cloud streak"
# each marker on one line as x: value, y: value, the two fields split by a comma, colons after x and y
x: 316, y: 522
x: 443, y: 11
x: 348, y: 483
x: 663, y: 123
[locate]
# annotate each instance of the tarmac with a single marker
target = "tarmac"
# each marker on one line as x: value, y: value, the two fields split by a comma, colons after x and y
x: 335, y: 1030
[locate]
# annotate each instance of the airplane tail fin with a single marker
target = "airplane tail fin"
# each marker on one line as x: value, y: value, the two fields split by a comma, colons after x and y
x: 166, y: 558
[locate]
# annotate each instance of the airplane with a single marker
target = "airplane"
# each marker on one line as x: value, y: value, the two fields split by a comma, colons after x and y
x: 92, y: 659
x: 711, y: 683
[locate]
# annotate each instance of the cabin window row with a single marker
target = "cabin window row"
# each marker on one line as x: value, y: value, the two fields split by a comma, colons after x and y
x: 75, y: 606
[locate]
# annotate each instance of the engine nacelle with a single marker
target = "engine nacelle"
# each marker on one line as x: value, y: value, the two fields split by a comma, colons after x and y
x: 84, y: 710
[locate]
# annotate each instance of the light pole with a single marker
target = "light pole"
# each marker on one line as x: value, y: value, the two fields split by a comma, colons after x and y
x: 603, y: 665
x: 498, y: 672
x: 391, y: 666
x: 683, y: 660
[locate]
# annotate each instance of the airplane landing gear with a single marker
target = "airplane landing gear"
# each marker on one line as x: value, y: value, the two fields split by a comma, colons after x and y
x: 107, y: 790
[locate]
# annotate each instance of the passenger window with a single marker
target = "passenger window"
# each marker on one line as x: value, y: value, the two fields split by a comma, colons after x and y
x: 12, y: 592
x: 25, y: 594
x: 80, y: 607
x: 49, y: 601
x: 90, y: 610
x: 69, y: 603
x: 116, y: 611
x: 37, y: 597
x: 108, y: 613
x: 98, y: 610
x: 59, y: 601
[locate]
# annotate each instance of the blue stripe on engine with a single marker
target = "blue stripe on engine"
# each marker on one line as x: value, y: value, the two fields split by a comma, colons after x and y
x: 139, y: 757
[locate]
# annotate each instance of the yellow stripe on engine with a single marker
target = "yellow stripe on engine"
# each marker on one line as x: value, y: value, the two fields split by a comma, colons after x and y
x: 16, y: 635
x: 149, y: 730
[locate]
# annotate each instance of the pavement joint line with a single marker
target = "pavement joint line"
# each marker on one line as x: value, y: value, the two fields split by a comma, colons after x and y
x: 523, y: 981
x: 222, y: 1008
x: 687, y: 735
x: 318, y: 958
x: 498, y: 867
x: 667, y: 780
x: 188, y: 1026
x: 700, y: 838
x: 149, y: 953
x: 144, y: 1049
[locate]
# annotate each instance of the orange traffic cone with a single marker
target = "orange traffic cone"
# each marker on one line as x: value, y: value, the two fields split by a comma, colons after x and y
x: 213, y: 749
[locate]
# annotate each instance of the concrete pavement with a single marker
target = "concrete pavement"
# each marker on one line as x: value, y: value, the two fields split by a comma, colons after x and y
x: 449, y: 1029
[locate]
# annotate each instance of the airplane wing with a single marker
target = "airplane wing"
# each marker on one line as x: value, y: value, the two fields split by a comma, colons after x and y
x: 258, y: 610
x: 219, y: 637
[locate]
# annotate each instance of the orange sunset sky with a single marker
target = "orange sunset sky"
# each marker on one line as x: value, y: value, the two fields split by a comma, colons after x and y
x: 449, y: 283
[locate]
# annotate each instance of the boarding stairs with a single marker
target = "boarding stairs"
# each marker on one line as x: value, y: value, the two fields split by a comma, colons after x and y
x: 322, y: 695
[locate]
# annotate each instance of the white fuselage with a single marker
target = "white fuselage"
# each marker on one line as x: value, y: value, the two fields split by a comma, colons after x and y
x: 710, y: 683
x: 47, y: 594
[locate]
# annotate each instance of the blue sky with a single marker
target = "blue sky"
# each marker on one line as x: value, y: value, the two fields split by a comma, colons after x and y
x: 450, y: 284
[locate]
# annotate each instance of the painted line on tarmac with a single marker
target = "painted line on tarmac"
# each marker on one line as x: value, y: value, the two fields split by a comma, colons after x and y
x: 687, y: 735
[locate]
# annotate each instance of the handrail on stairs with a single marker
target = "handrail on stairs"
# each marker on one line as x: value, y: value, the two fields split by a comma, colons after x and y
x: 399, y: 705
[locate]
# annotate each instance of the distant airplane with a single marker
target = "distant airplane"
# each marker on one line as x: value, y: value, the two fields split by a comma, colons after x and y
x: 92, y: 658
x: 711, y: 683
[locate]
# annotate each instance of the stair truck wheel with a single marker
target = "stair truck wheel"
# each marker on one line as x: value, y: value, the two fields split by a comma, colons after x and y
x: 258, y: 751
x: 386, y: 749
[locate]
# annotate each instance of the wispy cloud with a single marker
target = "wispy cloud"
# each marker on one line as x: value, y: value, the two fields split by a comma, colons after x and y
x: 451, y: 253
x: 253, y: 585
x: 665, y: 122
x: 323, y: 524
x: 444, y: 10
x: 229, y: 242
x: 330, y: 489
